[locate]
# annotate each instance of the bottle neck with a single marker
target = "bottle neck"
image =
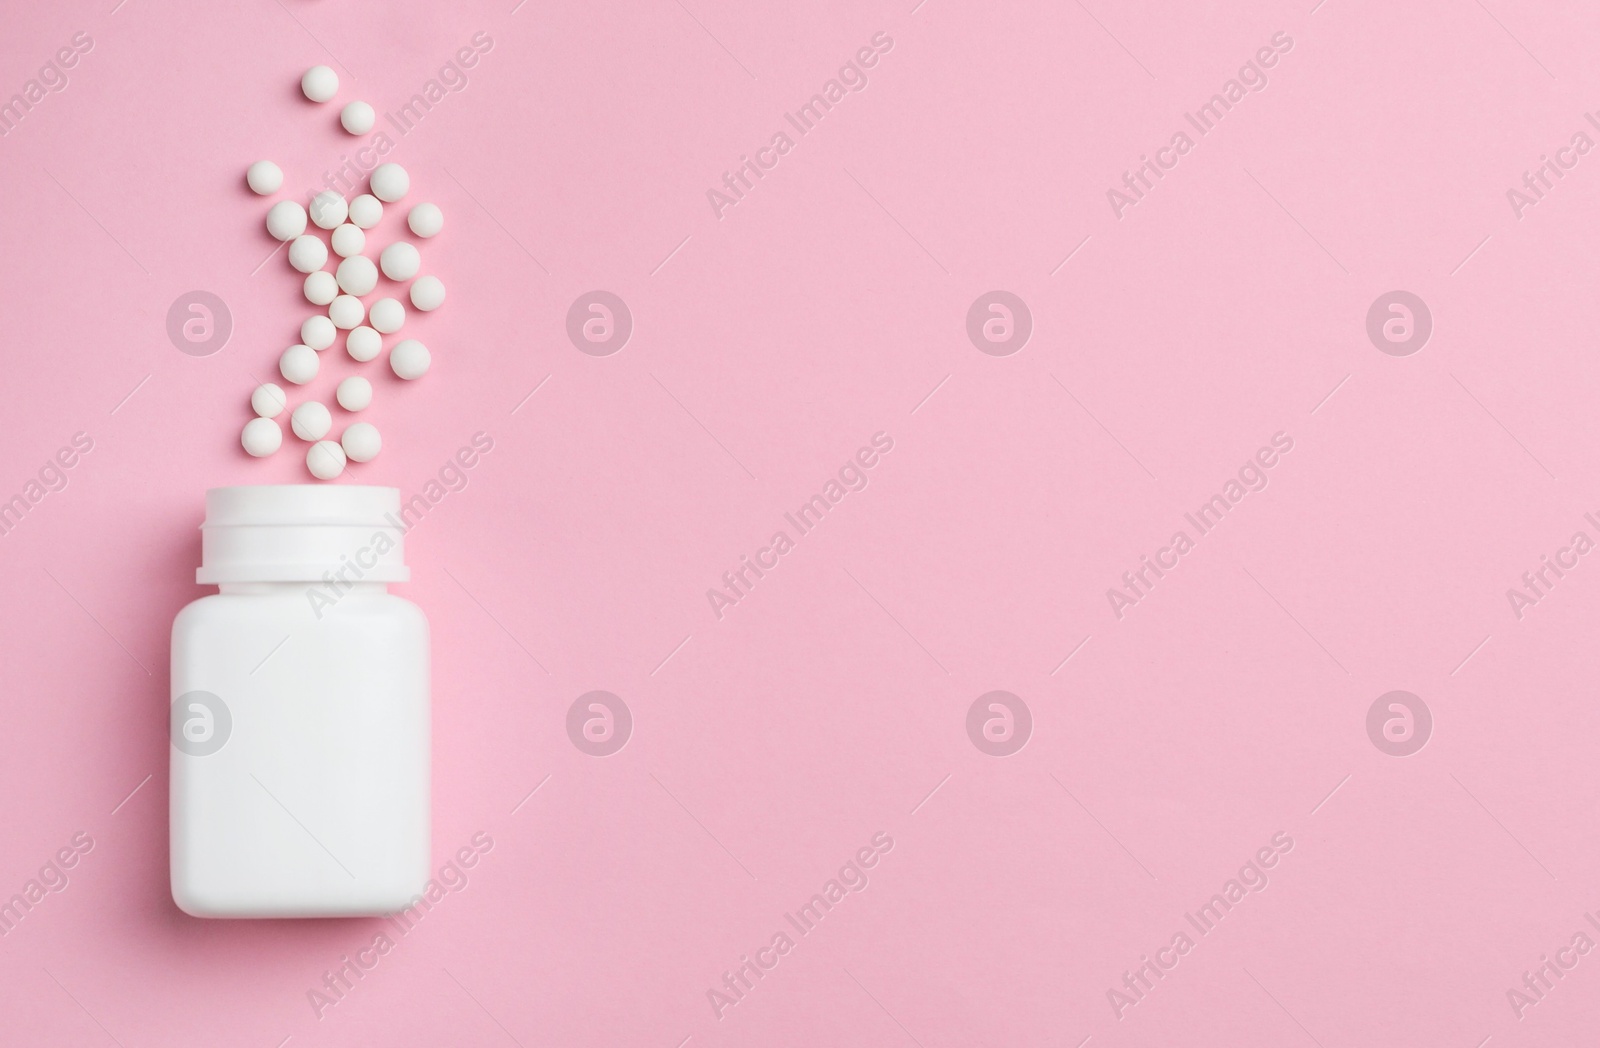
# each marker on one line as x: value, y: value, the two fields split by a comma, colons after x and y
x: 337, y: 587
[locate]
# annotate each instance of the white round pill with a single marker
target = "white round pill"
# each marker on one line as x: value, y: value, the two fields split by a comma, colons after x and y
x: 427, y: 293
x: 357, y: 275
x: 286, y: 220
x: 390, y: 182
x: 311, y: 420
x: 308, y: 253
x: 426, y: 220
x: 268, y: 400
x: 387, y: 315
x: 354, y: 394
x: 361, y: 442
x: 321, y: 288
x: 328, y: 209
x: 325, y: 460
x: 410, y: 359
x: 346, y: 312
x: 319, y: 83
x: 299, y: 364
x: 400, y: 261
x: 363, y: 343
x: 261, y: 437
x: 366, y: 211
x: 264, y: 177
x: 357, y: 118
x: 348, y: 240
x: 318, y: 331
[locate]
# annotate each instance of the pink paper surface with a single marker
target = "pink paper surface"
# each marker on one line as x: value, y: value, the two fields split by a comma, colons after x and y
x: 1427, y: 899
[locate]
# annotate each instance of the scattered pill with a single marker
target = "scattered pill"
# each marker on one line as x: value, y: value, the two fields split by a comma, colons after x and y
x: 261, y: 437
x: 286, y: 220
x: 400, y: 261
x: 318, y: 332
x: 427, y: 293
x: 346, y: 312
x: 311, y: 420
x: 363, y: 343
x: 268, y: 400
x: 264, y: 177
x: 299, y: 364
x: 366, y: 211
x: 357, y: 275
x: 308, y: 253
x: 325, y: 460
x: 321, y: 288
x: 328, y: 209
x: 410, y: 359
x: 348, y: 240
x: 319, y: 83
x: 357, y: 118
x: 426, y: 220
x: 390, y: 182
x: 361, y: 442
x: 387, y: 315
x: 354, y: 394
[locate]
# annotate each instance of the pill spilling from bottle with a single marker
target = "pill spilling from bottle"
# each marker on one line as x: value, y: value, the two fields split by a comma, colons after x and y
x: 359, y: 288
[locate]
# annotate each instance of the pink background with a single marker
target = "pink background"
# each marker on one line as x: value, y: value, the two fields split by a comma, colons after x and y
x: 830, y: 704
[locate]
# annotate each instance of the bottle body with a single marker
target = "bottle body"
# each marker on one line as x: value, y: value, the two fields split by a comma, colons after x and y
x: 300, y: 756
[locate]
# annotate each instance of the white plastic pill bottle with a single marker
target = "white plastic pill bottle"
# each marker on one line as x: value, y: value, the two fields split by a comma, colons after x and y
x: 300, y: 710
